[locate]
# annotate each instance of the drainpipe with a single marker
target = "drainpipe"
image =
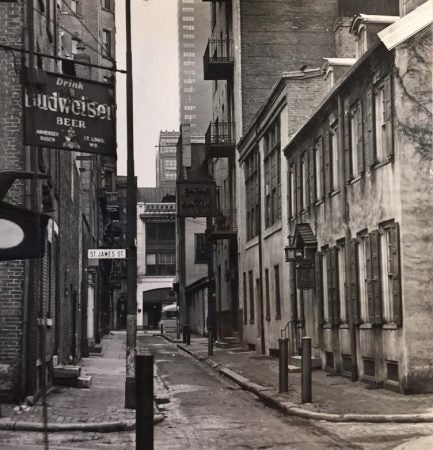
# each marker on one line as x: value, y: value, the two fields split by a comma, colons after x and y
x: 262, y: 324
x: 347, y: 236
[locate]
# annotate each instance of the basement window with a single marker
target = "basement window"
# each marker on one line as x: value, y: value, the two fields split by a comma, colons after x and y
x: 329, y: 360
x: 369, y: 367
x: 346, y: 364
x: 392, y: 371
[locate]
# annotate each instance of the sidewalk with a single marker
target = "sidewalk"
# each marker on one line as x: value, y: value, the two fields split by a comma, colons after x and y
x: 100, y: 408
x: 335, y: 398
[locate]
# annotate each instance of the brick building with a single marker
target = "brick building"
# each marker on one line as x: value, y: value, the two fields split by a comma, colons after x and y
x: 47, y: 296
x: 348, y: 203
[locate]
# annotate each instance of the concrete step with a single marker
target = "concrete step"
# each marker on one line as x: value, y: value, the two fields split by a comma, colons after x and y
x: 294, y: 369
x: 316, y: 363
x: 66, y: 375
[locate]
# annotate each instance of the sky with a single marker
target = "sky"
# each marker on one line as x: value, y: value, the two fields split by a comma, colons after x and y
x: 155, y: 81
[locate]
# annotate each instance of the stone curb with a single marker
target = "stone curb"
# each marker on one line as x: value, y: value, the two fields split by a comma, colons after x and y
x: 101, y: 427
x: 294, y: 409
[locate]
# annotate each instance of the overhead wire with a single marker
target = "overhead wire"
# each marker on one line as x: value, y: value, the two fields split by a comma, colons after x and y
x: 101, y: 44
x: 74, y: 36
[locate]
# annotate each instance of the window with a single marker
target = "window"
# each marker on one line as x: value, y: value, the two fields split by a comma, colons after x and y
x: 342, y: 282
x: 251, y: 288
x: 356, y: 140
x: 75, y: 6
x: 108, y: 5
x: 189, y: 80
x: 200, y: 248
x: 188, y: 18
x: 74, y: 45
x: 188, y: 89
x: 106, y: 42
x: 277, y: 292
x: 188, y: 27
x: 244, y: 279
x: 304, y: 181
x: 382, y: 120
x: 325, y: 262
x: 268, y: 303
x: 189, y: 54
x: 189, y: 108
x: 318, y: 169
x: 161, y: 263
x: 292, y: 190
x: 363, y: 281
x: 391, y: 289
x: 272, y: 167
x: 187, y: 9
x: 334, y: 153
x: 189, y: 63
x: 189, y: 116
x: 252, y: 194
x: 188, y: 45
x: 187, y: 1
x: 188, y: 36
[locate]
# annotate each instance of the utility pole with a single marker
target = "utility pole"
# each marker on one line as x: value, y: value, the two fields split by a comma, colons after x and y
x: 131, y: 227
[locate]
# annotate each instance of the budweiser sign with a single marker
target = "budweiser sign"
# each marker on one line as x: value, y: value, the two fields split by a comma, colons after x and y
x: 70, y: 114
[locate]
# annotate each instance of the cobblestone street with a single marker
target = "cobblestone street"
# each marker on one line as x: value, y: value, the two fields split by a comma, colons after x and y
x: 202, y: 410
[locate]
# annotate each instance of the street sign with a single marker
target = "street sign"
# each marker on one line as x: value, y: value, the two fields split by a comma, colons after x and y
x: 106, y: 253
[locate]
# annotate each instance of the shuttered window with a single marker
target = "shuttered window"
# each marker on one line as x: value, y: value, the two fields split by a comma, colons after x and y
x: 318, y: 169
x: 334, y: 157
x: 251, y: 288
x: 342, y: 282
x: 391, y: 284
x: 292, y: 191
x: 354, y: 142
x: 382, y: 121
x: 277, y: 292
x: 267, y: 299
x: 326, y: 262
x: 304, y: 182
x: 363, y: 248
x: 244, y: 282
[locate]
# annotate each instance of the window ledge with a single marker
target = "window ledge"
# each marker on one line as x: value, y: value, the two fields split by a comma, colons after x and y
x: 251, y: 321
x: 278, y: 317
x: 272, y: 229
x: 327, y: 325
x: 382, y: 163
x: 343, y: 326
x: 355, y: 179
x: 318, y: 202
x: 390, y: 326
x: 252, y: 242
x: 366, y: 326
x: 334, y: 193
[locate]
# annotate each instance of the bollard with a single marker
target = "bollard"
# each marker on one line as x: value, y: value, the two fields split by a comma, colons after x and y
x: 188, y: 335
x: 184, y: 333
x: 283, y: 359
x: 210, y: 342
x: 306, y: 387
x: 144, y: 402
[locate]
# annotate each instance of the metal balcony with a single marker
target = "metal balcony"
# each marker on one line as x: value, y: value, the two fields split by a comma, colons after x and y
x: 218, y: 60
x: 223, y: 226
x: 220, y: 140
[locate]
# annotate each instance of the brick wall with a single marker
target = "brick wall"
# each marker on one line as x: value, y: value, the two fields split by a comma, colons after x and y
x: 279, y: 36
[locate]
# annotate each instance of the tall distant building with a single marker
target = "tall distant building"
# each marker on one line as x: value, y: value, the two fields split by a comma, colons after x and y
x: 166, y: 159
x: 194, y: 93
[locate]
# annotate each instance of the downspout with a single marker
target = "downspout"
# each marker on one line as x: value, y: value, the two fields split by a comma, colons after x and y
x: 262, y: 324
x: 347, y: 237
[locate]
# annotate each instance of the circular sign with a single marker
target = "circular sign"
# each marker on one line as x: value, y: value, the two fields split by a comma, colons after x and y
x: 11, y: 234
